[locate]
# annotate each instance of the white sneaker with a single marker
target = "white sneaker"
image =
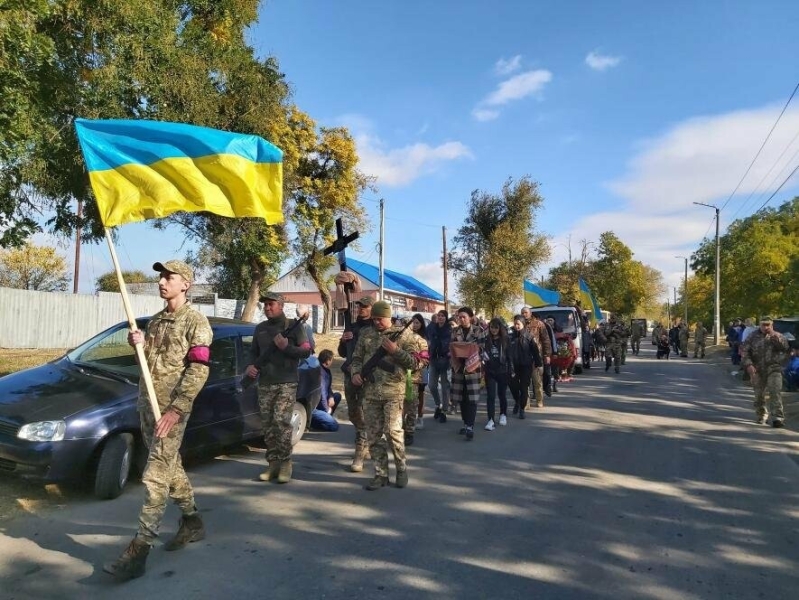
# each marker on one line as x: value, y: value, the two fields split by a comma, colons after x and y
x: 503, y: 420
x: 490, y: 425
x: 420, y: 423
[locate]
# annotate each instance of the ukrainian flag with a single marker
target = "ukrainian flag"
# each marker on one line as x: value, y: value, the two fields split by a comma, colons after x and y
x: 535, y: 296
x: 589, y: 303
x: 150, y: 169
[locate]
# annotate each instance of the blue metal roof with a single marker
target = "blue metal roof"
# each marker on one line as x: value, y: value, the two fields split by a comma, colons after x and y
x: 397, y: 282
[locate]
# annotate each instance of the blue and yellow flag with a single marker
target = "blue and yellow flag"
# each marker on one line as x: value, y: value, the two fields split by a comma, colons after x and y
x: 150, y: 169
x: 535, y: 296
x: 589, y: 303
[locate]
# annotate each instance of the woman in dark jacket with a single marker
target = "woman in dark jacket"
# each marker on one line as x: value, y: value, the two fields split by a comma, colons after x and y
x: 439, y: 335
x: 497, y: 369
x: 524, y: 356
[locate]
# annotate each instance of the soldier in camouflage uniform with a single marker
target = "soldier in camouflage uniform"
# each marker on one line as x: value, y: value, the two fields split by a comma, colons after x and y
x: 764, y: 354
x: 700, y: 337
x: 354, y: 394
x: 683, y: 334
x: 176, y: 346
x: 613, y: 334
x: 274, y: 359
x: 636, y: 333
x: 384, y: 390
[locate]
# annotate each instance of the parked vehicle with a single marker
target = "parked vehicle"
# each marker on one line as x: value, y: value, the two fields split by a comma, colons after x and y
x: 567, y: 319
x: 75, y: 417
x: 788, y: 326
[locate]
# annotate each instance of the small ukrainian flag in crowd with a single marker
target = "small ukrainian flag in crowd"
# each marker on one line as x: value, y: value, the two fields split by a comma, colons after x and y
x: 142, y: 170
x: 589, y: 303
x: 535, y: 296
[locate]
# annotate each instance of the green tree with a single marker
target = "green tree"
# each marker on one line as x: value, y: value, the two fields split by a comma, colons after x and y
x: 620, y: 283
x: 498, y: 246
x: 759, y: 263
x: 108, y: 282
x: 32, y: 267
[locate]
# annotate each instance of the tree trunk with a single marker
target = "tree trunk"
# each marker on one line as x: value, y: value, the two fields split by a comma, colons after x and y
x: 248, y: 314
x: 327, y: 301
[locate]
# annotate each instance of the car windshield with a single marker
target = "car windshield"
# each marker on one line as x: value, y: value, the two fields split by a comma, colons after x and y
x: 108, y: 351
x: 564, y: 319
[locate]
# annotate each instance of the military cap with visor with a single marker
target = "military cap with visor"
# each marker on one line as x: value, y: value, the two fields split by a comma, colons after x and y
x: 365, y: 301
x: 274, y: 296
x: 175, y: 266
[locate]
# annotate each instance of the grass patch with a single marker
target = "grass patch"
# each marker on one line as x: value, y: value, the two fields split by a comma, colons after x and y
x: 16, y: 359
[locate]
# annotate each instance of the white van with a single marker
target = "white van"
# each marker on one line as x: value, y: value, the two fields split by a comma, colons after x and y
x: 567, y: 319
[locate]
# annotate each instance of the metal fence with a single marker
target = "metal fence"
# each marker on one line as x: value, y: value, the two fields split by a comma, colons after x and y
x: 31, y: 319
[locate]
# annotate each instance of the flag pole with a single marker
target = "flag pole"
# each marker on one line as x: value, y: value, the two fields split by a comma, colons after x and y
x: 145, y: 369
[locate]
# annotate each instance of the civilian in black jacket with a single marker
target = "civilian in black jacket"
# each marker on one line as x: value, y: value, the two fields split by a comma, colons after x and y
x: 439, y: 335
x: 524, y: 355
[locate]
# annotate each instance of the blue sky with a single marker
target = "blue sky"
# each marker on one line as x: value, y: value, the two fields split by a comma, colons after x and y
x: 625, y: 112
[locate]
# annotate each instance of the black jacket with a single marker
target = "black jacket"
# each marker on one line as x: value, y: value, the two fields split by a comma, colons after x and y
x: 438, y: 340
x: 281, y: 365
x: 524, y: 353
x: 346, y: 347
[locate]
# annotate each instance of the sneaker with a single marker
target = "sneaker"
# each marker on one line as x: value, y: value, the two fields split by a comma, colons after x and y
x: 515, y: 409
x: 616, y: 369
x: 442, y: 418
x: 462, y: 430
x: 777, y: 423
x: 489, y: 426
x: 469, y: 433
x: 437, y: 414
x: 451, y: 410
x: 420, y: 423
x: 503, y: 420
x: 521, y: 413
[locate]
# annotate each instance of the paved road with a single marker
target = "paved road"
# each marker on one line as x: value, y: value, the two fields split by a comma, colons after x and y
x: 651, y: 484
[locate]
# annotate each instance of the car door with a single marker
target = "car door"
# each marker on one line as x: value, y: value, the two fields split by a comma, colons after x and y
x: 248, y: 399
x: 216, y: 418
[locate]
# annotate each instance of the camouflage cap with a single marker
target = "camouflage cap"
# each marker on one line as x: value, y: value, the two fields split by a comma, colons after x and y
x: 381, y: 308
x: 176, y: 266
x: 365, y: 301
x: 766, y: 319
x: 274, y: 296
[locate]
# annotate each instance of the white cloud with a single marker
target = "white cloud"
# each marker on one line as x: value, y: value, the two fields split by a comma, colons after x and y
x: 699, y: 160
x: 505, y: 67
x: 485, y: 114
x: 601, y: 62
x: 529, y: 83
x: 431, y: 274
x: 401, y: 166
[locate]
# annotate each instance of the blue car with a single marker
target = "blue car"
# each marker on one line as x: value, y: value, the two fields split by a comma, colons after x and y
x: 75, y: 417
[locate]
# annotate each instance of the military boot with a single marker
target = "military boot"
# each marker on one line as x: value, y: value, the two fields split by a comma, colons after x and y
x: 402, y: 479
x: 357, y: 461
x: 271, y: 473
x: 376, y: 483
x: 191, y: 530
x: 284, y: 476
x: 131, y: 563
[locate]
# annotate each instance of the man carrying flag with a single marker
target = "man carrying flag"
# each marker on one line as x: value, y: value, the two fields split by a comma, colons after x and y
x: 150, y: 169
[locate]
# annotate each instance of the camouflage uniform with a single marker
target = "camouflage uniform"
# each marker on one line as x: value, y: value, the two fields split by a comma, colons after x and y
x: 178, y: 376
x: 635, y: 337
x: 613, y: 332
x: 384, y: 397
x: 411, y: 406
x: 625, y: 342
x: 277, y: 383
x: 683, y: 339
x: 539, y: 335
x: 700, y: 337
x: 353, y: 393
x: 768, y: 354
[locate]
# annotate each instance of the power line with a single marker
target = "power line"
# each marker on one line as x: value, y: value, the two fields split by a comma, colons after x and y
x: 778, y: 189
x: 784, y: 108
x: 776, y: 162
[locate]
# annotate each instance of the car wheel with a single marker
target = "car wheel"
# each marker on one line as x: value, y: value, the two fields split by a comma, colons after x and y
x: 114, y: 466
x: 299, y: 421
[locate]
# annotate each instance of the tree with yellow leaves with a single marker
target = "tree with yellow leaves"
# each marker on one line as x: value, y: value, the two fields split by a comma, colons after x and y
x: 32, y: 267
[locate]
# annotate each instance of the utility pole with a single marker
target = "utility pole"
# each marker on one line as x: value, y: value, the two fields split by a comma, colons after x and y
x: 717, y: 283
x: 675, y: 302
x: 444, y: 245
x: 382, y: 239
x: 685, y: 288
x: 76, y: 276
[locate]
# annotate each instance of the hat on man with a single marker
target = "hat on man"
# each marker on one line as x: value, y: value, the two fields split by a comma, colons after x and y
x: 272, y: 296
x: 381, y: 308
x: 176, y: 266
x: 766, y: 319
x: 365, y: 301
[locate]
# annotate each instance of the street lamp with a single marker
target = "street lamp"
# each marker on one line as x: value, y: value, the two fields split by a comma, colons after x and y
x: 685, y: 289
x: 717, y: 283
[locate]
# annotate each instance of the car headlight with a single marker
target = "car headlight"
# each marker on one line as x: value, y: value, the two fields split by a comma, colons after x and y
x: 43, y: 431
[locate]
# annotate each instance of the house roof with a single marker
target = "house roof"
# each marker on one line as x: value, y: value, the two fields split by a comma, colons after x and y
x: 396, y: 282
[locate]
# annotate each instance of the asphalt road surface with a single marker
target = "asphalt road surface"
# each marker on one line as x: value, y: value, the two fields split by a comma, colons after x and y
x: 651, y: 484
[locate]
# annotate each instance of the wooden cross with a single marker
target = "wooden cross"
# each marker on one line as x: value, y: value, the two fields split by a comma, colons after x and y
x: 339, y: 246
